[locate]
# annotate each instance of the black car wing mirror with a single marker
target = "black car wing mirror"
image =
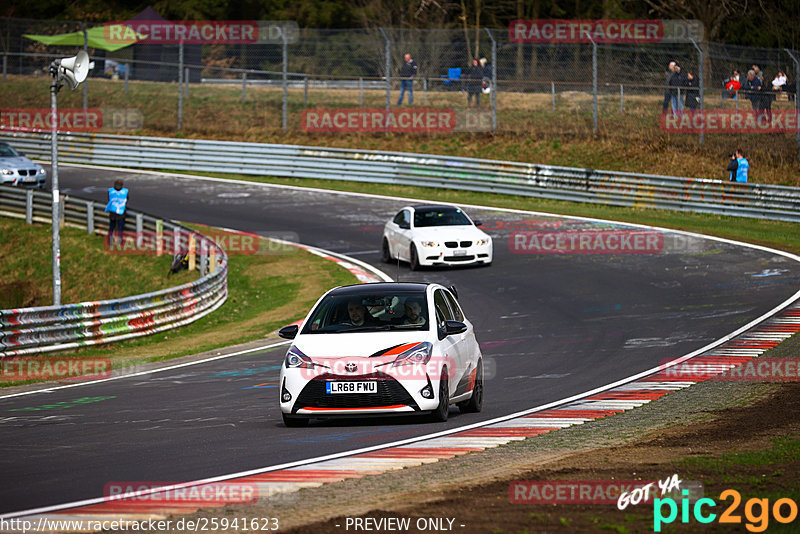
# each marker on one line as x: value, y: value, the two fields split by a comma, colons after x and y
x: 289, y: 332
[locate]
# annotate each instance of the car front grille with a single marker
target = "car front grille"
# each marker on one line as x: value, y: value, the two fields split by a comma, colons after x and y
x: 390, y: 393
x: 458, y: 258
x: 27, y: 172
x: 451, y: 244
x: 456, y: 244
x: 465, y: 244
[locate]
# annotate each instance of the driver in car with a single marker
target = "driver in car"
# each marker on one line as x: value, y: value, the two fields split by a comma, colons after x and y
x: 358, y: 314
x: 413, y: 311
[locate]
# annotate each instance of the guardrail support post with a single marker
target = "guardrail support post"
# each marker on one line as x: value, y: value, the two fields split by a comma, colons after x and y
x: 89, y: 217
x: 29, y: 206
x: 212, y: 260
x: 192, y: 252
x: 203, y: 257
x: 139, y: 227
x: 159, y: 237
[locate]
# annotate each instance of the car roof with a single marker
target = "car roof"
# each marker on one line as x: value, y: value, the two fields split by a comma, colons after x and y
x: 366, y: 289
x: 434, y: 206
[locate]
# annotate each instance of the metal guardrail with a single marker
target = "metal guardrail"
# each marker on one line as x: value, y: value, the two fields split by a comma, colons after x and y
x: 36, y: 330
x: 469, y: 174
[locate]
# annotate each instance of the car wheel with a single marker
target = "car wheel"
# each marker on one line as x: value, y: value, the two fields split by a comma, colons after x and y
x: 475, y: 403
x: 386, y: 254
x: 294, y: 422
x: 440, y: 414
x: 413, y: 259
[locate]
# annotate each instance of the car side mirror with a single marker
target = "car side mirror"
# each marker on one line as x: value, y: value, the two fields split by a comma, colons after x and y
x: 454, y: 327
x: 404, y: 226
x: 478, y: 223
x: 289, y: 332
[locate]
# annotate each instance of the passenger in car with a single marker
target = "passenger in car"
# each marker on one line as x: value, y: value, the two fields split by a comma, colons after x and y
x: 414, y: 314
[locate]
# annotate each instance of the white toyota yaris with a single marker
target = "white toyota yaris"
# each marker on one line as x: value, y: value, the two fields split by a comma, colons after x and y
x: 381, y: 349
x: 435, y: 235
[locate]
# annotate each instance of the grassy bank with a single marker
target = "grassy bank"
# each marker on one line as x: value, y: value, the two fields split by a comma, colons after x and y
x: 264, y: 292
x: 529, y: 129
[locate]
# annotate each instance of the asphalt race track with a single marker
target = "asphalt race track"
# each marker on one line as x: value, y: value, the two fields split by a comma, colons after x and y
x: 550, y: 326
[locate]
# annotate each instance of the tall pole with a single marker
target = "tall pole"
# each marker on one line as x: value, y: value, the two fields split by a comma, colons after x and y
x: 594, y: 85
x: 700, y: 87
x: 494, y: 80
x: 54, y: 86
x: 180, y: 85
x: 796, y: 92
x: 388, y: 58
x: 285, y: 111
x: 86, y: 85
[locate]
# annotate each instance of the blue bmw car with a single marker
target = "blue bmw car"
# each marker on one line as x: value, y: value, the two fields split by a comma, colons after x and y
x: 16, y: 169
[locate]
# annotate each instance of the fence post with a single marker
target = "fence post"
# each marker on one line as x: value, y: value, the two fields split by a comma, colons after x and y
x: 361, y: 92
x: 29, y: 206
x: 621, y: 99
x: 594, y: 86
x: 425, y: 91
x: 553, y: 94
x: 285, y: 81
x: 700, y: 87
x: 180, y: 85
x: 5, y: 66
x: 186, y: 84
x: 797, y: 92
x: 305, y: 91
x: 85, y: 49
x: 203, y: 256
x: 127, y: 70
x: 89, y: 217
x: 494, y: 80
x: 388, y: 58
x: 244, y: 86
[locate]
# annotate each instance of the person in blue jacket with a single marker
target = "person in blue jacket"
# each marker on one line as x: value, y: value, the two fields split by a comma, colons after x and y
x: 739, y: 167
x: 116, y: 208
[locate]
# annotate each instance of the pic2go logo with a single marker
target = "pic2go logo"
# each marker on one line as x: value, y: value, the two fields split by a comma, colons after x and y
x: 756, y: 511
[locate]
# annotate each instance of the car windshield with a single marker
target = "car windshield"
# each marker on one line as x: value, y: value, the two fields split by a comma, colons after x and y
x: 373, y: 312
x: 440, y: 217
x: 7, y: 152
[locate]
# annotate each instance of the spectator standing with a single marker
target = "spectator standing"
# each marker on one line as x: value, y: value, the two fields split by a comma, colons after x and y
x: 407, y: 74
x: 779, y: 81
x: 474, y: 80
x: 117, y: 207
x: 759, y: 74
x: 752, y: 88
x: 692, y: 93
x: 739, y: 167
x: 670, y: 72
x: 676, y: 82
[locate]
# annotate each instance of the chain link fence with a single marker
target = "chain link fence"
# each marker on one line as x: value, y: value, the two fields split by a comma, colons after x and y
x: 488, y: 81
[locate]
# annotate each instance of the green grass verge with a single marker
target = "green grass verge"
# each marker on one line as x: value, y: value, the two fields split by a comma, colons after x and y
x: 264, y: 290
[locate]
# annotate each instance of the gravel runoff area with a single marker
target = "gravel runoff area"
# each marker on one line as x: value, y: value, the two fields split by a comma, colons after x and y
x: 653, y: 442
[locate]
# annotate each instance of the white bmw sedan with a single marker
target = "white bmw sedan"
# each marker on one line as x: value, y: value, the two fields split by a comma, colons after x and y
x: 435, y: 235
x: 381, y: 349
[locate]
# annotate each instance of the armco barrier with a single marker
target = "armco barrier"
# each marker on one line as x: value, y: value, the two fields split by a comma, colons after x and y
x: 28, y: 331
x: 543, y: 181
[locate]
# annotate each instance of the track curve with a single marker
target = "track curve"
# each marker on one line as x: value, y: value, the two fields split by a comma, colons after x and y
x: 550, y: 326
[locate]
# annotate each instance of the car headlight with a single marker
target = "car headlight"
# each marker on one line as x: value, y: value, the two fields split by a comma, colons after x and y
x: 296, y: 358
x: 481, y: 242
x: 6, y: 171
x: 419, y: 354
x: 429, y: 243
x: 41, y: 171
